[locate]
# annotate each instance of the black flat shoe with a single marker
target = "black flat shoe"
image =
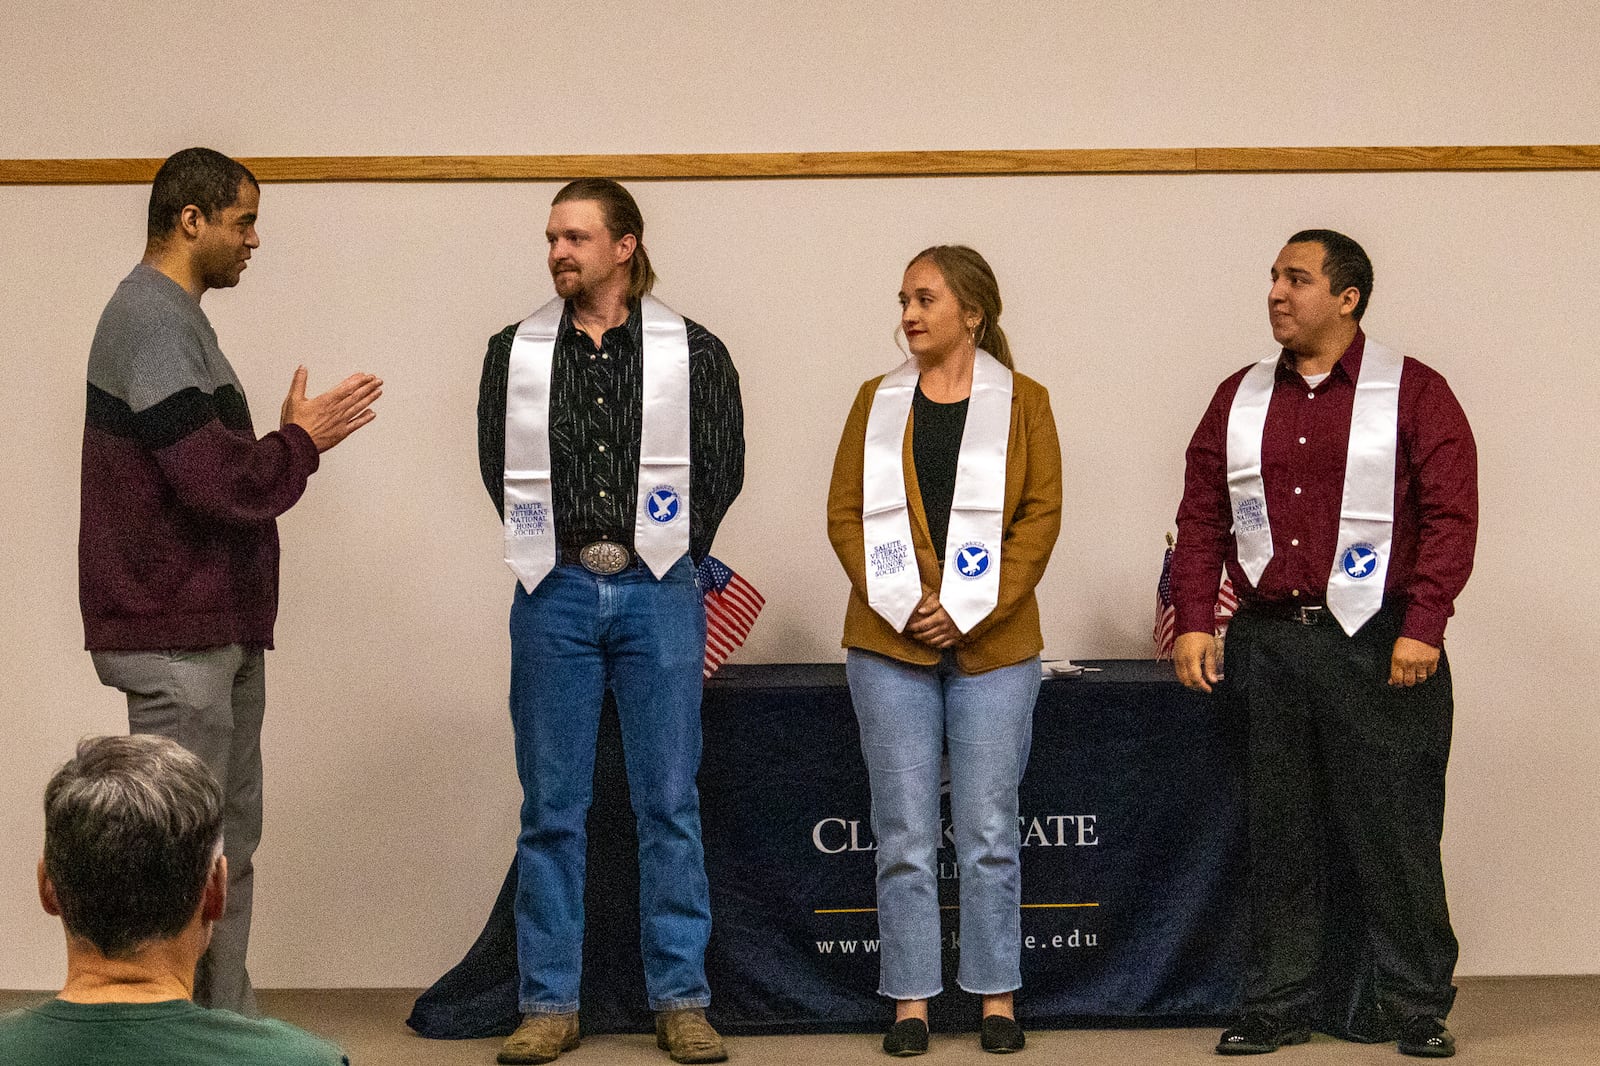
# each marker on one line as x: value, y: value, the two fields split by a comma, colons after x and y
x: 1258, y: 1033
x: 1001, y: 1035
x: 908, y: 1037
x: 1426, y: 1037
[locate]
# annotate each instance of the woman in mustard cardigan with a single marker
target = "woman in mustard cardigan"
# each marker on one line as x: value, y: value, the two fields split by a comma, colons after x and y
x: 944, y: 507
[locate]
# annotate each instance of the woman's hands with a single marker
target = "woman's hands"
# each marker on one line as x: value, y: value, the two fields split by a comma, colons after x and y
x: 931, y: 624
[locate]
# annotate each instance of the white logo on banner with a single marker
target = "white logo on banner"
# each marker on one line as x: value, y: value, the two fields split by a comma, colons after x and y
x: 843, y: 930
x: 663, y: 504
x: 1360, y: 560
x: 972, y: 560
x: 834, y: 836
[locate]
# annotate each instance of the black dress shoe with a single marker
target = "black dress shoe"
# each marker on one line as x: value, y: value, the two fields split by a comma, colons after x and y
x: 908, y: 1037
x: 1258, y: 1033
x: 1426, y: 1036
x: 1001, y: 1035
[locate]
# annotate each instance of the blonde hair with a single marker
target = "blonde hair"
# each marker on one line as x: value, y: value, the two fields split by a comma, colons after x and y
x: 973, y: 284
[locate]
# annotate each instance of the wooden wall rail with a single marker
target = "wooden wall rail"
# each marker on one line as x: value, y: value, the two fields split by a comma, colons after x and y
x: 680, y: 167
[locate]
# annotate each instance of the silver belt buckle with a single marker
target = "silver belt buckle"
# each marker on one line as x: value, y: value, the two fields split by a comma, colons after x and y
x: 604, y: 557
x: 1307, y: 616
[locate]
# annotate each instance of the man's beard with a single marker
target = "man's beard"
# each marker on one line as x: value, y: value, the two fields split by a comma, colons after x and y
x: 568, y: 283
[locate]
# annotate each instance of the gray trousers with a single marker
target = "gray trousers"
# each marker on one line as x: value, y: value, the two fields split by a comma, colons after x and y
x: 211, y: 701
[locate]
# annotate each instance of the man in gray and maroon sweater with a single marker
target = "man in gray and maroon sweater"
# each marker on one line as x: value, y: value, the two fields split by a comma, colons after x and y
x: 178, y: 543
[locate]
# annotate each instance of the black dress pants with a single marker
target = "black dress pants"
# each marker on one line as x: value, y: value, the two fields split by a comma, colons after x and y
x: 1345, y: 794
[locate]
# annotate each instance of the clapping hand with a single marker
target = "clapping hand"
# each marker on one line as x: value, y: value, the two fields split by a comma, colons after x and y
x: 335, y: 414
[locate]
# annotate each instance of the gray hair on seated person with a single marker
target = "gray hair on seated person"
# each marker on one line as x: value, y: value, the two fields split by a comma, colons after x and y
x: 132, y: 827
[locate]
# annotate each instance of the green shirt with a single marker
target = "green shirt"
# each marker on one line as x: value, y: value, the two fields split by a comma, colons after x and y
x: 170, y: 1033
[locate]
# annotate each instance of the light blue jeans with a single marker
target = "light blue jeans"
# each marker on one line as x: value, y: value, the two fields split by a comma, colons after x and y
x: 575, y: 636
x: 910, y: 715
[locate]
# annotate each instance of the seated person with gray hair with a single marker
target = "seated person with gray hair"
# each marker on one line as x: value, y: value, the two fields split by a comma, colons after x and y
x: 133, y: 867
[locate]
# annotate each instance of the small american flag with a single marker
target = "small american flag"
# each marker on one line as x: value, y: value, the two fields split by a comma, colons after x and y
x: 732, y: 604
x: 1165, y: 633
x: 1227, y: 603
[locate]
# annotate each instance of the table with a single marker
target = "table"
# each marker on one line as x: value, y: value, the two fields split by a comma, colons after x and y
x: 1132, y: 865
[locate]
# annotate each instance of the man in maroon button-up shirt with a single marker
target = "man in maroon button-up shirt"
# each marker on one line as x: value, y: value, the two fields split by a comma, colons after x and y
x: 1348, y: 733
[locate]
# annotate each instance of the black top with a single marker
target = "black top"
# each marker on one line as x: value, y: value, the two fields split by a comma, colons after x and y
x: 596, y: 415
x: 936, y: 430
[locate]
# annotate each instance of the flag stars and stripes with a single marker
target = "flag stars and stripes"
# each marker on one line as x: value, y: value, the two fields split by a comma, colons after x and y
x: 732, y: 605
x: 1165, y: 633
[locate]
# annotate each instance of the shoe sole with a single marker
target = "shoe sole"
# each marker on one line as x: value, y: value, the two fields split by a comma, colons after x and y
x: 537, y: 1060
x: 1420, y: 1052
x: 716, y: 1056
x: 1295, y: 1036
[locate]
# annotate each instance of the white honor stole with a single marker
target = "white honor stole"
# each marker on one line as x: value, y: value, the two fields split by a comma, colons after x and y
x: 970, y: 585
x: 1366, y: 510
x: 661, y: 522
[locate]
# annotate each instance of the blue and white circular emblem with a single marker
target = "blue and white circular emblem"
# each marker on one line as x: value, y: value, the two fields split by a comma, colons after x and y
x: 972, y: 559
x: 662, y: 505
x: 1359, y: 561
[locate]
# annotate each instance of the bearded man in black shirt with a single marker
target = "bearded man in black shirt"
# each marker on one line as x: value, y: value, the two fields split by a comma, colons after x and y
x: 611, y: 439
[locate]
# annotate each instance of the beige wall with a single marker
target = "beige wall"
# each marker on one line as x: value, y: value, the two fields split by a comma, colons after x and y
x: 391, y: 795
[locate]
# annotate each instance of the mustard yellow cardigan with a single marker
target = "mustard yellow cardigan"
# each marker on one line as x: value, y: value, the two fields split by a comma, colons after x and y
x: 1031, y: 522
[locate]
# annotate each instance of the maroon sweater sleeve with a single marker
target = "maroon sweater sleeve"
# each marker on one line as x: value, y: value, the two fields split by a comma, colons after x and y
x: 226, y: 476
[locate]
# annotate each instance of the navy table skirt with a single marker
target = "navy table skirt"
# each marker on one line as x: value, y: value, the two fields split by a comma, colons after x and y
x: 1132, y: 869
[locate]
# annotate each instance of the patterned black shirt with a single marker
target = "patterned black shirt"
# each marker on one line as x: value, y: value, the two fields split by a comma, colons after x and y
x: 596, y: 415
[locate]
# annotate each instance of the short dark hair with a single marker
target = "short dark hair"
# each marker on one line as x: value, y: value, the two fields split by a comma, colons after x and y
x: 209, y: 180
x: 131, y: 829
x: 1344, y: 261
x: 622, y: 215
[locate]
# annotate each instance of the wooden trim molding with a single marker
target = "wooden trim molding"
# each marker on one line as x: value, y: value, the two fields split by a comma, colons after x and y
x: 1460, y: 157
x: 747, y: 165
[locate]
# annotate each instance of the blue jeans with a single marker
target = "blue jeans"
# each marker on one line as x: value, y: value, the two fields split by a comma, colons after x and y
x: 909, y: 716
x: 575, y: 636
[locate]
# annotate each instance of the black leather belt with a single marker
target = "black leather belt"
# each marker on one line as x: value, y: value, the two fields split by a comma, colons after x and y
x: 603, y: 557
x: 1310, y: 614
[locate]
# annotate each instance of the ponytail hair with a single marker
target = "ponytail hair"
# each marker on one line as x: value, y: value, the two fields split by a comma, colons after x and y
x: 622, y: 216
x: 973, y: 284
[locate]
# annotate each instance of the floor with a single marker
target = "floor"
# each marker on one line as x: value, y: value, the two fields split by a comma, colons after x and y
x: 1499, y: 1021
